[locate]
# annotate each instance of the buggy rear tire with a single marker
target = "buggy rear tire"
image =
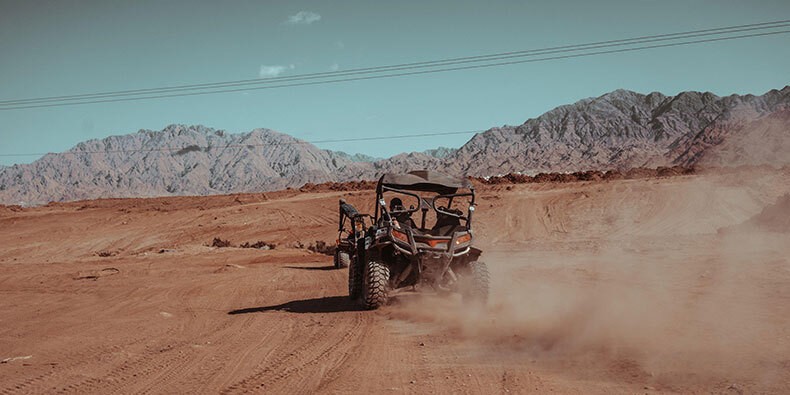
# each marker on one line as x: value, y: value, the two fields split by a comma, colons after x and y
x: 377, y: 278
x: 355, y: 279
x: 342, y: 259
x: 477, y: 284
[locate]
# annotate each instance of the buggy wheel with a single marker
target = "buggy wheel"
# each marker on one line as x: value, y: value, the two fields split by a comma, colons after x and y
x: 355, y: 279
x: 477, y: 283
x: 377, y: 278
x: 342, y: 259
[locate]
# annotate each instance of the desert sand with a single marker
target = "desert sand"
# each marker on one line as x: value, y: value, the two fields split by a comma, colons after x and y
x: 657, y: 285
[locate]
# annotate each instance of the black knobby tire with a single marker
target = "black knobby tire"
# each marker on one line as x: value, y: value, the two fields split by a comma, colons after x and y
x: 376, y: 285
x: 355, y: 280
x: 342, y: 260
x: 477, y: 283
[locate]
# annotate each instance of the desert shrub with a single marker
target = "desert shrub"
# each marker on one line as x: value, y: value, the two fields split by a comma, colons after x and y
x: 322, y: 247
x: 260, y: 245
x: 219, y: 243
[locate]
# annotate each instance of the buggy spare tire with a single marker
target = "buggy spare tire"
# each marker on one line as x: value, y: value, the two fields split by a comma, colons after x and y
x: 342, y: 259
x: 377, y: 278
x: 355, y: 279
x: 477, y: 283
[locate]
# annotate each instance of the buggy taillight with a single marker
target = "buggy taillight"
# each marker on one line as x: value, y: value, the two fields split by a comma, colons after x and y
x: 400, y: 236
x: 463, y: 239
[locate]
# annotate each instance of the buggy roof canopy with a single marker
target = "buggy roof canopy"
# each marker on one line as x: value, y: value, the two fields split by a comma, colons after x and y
x: 424, y: 180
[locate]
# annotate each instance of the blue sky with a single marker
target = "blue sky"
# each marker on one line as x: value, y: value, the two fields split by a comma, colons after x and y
x: 70, y: 47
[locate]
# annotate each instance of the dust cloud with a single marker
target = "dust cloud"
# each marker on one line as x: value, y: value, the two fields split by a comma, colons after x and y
x: 660, y: 289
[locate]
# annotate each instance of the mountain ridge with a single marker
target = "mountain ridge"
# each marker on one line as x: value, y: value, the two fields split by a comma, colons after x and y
x: 617, y: 130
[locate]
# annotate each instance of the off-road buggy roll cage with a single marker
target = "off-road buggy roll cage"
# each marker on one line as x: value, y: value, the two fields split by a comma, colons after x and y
x: 424, y: 181
x: 425, y: 205
x: 348, y: 239
x: 444, y: 186
x: 419, y: 237
x: 356, y: 218
x: 397, y: 255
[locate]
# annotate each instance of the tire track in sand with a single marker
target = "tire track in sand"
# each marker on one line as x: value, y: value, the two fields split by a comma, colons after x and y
x: 310, y: 353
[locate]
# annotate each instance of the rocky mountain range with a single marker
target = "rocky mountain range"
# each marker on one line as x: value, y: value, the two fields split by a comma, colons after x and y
x: 624, y: 129
x: 619, y: 130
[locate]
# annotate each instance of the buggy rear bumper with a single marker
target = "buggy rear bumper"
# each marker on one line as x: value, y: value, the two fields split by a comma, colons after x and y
x: 409, y: 252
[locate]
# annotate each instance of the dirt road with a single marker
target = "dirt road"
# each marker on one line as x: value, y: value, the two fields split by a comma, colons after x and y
x: 625, y: 286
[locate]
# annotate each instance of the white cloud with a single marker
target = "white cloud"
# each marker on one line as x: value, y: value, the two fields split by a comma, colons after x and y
x: 303, y: 18
x: 334, y: 67
x: 273, y: 71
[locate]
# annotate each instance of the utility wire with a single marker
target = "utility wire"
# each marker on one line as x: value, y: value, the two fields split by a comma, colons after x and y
x: 380, y: 69
x: 670, y: 36
x: 409, y: 73
x: 390, y: 68
x: 230, y: 146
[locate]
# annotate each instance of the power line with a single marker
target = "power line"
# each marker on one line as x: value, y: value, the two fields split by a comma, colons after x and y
x: 720, y: 30
x: 19, y: 104
x: 169, y: 149
x: 230, y: 146
x: 669, y: 36
x: 478, y: 58
x: 404, y: 73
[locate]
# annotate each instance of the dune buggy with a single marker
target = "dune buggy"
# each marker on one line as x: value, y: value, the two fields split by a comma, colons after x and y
x: 395, y: 254
x: 350, y: 233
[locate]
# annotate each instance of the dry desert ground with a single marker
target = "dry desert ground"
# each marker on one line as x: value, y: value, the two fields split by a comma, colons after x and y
x: 658, y: 285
